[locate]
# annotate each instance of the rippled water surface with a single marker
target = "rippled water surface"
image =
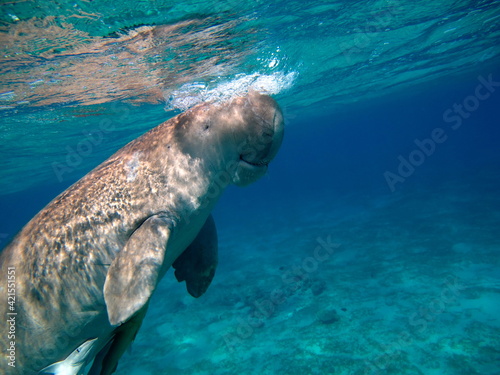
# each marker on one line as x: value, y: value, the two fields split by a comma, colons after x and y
x: 64, y: 63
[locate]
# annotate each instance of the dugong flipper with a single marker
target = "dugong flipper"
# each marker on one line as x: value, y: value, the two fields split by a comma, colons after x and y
x: 135, y: 271
x: 196, y: 265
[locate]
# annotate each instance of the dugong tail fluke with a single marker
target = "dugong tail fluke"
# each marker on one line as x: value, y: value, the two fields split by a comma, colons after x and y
x: 87, y: 264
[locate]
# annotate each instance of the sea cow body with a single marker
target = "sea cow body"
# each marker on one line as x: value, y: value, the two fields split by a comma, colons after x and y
x: 86, y: 265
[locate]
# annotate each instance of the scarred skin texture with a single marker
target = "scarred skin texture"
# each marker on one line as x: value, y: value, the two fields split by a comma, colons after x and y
x: 62, y: 256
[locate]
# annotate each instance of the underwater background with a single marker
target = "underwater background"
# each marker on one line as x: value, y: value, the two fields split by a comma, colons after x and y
x: 372, y: 245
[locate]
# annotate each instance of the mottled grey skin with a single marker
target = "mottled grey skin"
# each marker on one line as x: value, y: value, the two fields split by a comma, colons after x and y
x: 86, y: 265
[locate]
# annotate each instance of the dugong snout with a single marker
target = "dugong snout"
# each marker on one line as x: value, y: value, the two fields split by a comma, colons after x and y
x: 267, y: 129
x: 267, y: 109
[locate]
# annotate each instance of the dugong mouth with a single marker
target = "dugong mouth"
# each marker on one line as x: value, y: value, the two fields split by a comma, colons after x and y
x: 248, y: 172
x: 262, y: 163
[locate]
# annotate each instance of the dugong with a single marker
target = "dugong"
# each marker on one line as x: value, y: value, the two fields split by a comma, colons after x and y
x: 77, y: 280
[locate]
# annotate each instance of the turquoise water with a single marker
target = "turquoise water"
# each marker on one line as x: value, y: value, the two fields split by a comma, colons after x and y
x: 377, y: 224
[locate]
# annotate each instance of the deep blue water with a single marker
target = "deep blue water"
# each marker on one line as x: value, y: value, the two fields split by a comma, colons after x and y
x: 377, y: 158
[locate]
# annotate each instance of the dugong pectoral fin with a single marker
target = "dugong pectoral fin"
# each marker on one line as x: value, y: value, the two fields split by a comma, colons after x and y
x: 134, y: 273
x: 197, y: 264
